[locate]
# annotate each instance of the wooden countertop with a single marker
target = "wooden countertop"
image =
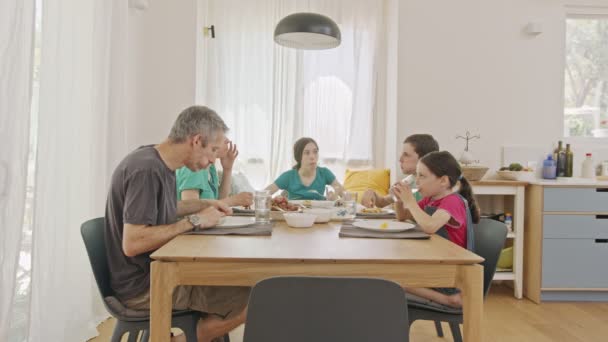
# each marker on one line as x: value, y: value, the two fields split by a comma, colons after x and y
x: 498, y: 182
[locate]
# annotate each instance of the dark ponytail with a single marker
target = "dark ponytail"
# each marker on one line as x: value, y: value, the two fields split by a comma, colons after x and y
x: 444, y: 164
x: 466, y: 191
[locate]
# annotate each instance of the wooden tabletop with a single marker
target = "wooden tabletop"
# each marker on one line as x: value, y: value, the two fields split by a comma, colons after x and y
x: 320, y: 243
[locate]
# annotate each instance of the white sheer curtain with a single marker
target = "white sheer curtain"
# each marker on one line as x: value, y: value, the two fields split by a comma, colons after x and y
x: 16, y: 40
x: 80, y: 133
x: 270, y: 95
x: 80, y: 138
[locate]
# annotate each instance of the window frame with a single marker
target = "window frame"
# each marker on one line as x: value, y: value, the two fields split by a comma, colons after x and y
x: 578, y: 12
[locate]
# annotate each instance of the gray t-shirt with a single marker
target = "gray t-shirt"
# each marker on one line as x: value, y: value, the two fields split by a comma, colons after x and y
x: 142, y: 192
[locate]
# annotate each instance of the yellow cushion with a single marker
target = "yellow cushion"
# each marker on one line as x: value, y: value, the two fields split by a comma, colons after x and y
x: 506, y: 258
x: 360, y: 180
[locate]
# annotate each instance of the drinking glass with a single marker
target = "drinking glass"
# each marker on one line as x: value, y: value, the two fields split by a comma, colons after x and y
x: 261, y: 200
x: 410, y: 180
x: 349, y: 199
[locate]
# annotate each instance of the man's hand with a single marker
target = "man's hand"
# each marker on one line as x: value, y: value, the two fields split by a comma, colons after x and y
x: 244, y: 199
x: 219, y: 205
x: 210, y: 217
x: 228, y: 160
x: 369, y: 198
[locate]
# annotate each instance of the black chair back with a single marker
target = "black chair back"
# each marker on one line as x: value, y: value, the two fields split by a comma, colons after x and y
x: 93, y: 235
x: 490, y: 236
x: 299, y: 309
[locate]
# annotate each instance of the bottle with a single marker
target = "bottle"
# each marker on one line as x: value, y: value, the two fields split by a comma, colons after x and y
x: 562, y: 163
x: 569, y: 161
x: 557, y: 149
x: 588, y: 169
x: 549, y: 168
x: 509, y: 221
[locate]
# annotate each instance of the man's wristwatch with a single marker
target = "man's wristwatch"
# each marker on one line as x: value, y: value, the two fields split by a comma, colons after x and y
x: 196, y: 221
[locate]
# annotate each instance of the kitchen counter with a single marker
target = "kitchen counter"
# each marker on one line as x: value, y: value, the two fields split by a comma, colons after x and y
x: 571, y: 182
x: 566, y: 240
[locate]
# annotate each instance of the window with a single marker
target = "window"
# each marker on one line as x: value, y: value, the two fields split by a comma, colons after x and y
x: 270, y: 95
x: 586, y: 76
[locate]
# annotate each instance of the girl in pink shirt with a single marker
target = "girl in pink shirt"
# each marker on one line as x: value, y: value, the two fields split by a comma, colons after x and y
x: 448, y: 207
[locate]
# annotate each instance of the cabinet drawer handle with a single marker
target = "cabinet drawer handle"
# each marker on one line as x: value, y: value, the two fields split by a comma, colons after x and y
x: 601, y: 217
x: 601, y: 240
x: 601, y: 189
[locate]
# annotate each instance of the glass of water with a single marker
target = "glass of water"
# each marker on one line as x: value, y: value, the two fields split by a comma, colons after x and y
x: 261, y: 201
x: 349, y: 198
x: 410, y: 180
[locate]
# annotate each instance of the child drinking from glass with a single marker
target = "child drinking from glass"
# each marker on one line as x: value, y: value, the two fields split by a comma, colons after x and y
x: 447, y: 208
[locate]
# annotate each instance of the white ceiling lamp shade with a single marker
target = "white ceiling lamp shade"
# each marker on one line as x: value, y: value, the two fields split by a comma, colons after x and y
x: 307, y: 31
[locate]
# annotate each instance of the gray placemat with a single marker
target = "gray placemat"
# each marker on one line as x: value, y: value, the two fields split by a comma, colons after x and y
x: 348, y: 230
x: 258, y: 229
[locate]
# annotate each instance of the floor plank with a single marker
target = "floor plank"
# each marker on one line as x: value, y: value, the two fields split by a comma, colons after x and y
x: 506, y: 319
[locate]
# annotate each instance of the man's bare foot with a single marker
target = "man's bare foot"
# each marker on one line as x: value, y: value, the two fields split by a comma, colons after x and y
x: 213, y: 326
x: 178, y: 338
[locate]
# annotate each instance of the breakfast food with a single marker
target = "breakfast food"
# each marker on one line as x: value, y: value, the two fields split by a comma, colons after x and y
x: 282, y: 203
x: 515, y: 167
x: 374, y: 210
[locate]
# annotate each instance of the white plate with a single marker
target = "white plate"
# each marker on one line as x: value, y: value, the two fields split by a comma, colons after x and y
x: 313, y: 203
x: 391, y: 226
x: 235, y: 222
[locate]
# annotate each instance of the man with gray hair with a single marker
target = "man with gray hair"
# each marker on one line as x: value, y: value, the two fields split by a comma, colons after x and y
x: 142, y: 214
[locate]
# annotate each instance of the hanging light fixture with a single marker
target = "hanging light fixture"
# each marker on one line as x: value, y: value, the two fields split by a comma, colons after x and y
x: 309, y: 31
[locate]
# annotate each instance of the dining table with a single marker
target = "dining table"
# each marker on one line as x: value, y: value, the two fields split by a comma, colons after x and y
x: 242, y: 260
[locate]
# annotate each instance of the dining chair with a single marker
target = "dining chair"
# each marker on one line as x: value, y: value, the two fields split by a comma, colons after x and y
x: 127, y: 320
x: 490, y: 236
x: 325, y: 309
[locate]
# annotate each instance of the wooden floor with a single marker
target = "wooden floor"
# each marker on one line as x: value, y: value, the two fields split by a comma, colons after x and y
x: 505, y: 319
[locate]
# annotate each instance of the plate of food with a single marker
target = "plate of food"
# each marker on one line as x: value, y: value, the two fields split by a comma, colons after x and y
x: 279, y: 206
x: 384, y: 226
x: 235, y: 222
x: 313, y: 203
x: 375, y: 211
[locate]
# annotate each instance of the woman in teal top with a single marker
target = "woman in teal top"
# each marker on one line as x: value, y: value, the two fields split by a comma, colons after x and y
x: 306, y: 181
x: 205, y: 184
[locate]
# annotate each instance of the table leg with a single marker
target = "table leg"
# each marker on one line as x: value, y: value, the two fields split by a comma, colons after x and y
x: 162, y: 284
x: 470, y: 281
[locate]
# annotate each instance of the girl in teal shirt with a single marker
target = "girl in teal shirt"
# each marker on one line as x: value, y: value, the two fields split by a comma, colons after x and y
x: 205, y: 184
x: 307, y: 181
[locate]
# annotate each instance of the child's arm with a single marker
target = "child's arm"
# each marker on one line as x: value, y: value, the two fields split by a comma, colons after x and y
x: 429, y: 224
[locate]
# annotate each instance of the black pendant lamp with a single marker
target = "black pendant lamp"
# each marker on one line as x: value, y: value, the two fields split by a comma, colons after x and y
x: 308, y: 31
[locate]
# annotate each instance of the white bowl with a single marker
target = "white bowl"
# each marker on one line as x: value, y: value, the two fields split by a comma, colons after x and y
x: 323, y: 214
x: 299, y: 220
x: 524, y: 176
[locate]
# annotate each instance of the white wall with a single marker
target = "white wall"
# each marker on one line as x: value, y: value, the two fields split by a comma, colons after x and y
x: 459, y: 65
x: 469, y: 65
x: 162, y: 67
